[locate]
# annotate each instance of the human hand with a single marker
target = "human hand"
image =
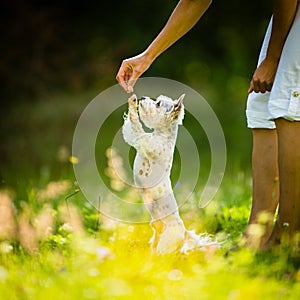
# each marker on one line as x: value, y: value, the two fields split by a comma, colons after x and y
x: 131, y: 69
x: 263, y: 77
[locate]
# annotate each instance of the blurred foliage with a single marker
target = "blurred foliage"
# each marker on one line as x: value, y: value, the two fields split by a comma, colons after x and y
x: 72, y: 46
x: 55, y: 57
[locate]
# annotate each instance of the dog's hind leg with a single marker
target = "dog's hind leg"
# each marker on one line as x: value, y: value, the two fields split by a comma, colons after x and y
x: 157, y: 227
x: 169, y: 230
x: 172, y: 236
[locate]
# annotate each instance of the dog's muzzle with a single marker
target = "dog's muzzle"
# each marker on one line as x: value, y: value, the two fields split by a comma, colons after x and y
x: 140, y: 100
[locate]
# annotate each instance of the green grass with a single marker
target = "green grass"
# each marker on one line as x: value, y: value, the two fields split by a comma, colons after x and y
x: 87, y: 259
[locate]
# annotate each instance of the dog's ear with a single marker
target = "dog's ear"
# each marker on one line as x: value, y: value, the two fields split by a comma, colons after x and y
x: 180, y: 99
x: 178, y: 111
x: 178, y: 102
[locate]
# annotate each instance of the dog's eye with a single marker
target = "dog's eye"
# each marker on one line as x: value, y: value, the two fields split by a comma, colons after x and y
x: 158, y: 103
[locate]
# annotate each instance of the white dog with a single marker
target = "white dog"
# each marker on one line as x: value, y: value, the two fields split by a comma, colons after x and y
x: 152, y: 167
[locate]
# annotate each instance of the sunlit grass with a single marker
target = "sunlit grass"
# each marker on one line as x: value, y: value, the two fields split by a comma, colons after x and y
x: 55, y: 245
x: 81, y: 254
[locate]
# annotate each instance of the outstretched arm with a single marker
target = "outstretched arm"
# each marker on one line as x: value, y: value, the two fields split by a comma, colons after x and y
x: 283, y: 15
x: 185, y: 15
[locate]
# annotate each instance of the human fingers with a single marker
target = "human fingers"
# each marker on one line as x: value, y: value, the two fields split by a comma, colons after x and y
x: 258, y: 86
x: 269, y: 87
x: 251, y: 88
x: 254, y: 86
x: 132, y: 80
x: 262, y: 87
x: 121, y: 79
x: 124, y: 74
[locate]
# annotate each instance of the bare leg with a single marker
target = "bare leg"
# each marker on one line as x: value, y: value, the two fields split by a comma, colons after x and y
x: 265, y: 186
x: 288, y: 221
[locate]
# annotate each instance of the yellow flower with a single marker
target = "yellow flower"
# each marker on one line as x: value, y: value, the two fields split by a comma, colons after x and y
x: 73, y: 160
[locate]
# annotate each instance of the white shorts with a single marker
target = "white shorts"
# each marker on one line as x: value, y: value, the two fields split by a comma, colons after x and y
x: 284, y: 99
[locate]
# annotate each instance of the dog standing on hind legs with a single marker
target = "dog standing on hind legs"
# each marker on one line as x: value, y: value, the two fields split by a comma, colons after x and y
x: 152, y: 168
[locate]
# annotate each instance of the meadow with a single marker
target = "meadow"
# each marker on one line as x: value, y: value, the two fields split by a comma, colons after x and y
x: 55, y: 244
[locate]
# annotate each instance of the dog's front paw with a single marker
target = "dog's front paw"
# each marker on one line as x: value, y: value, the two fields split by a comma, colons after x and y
x: 132, y: 101
x: 133, y: 116
x: 133, y: 108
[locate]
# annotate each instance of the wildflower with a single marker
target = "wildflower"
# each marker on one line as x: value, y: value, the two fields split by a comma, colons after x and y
x: 70, y: 215
x: 5, y: 247
x: 66, y: 227
x: 63, y: 154
x: 7, y: 217
x: 27, y: 233
x: 73, y: 160
x: 44, y: 223
x: 54, y: 189
x: 104, y: 253
x: 115, y: 170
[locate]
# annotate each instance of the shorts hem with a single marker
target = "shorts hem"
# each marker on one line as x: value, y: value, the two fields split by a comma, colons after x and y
x: 288, y: 109
x: 259, y: 120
